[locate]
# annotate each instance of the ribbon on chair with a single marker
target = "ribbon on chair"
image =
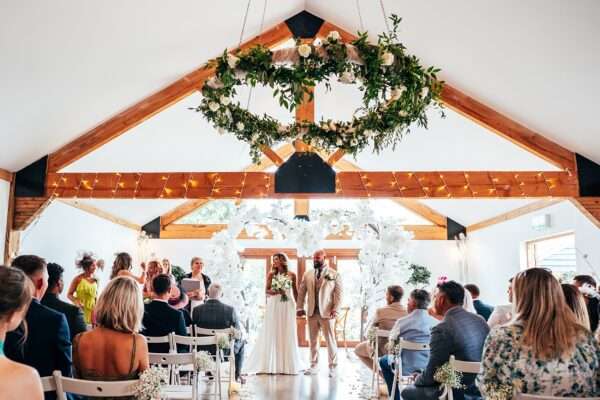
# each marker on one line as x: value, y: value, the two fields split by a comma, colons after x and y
x: 447, y: 392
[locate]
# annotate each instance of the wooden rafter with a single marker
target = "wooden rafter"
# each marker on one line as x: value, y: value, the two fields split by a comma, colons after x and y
x: 304, y: 112
x: 151, y: 105
x: 188, y: 231
x: 590, y: 207
x: 513, y: 214
x: 10, y: 239
x: 301, y: 207
x: 354, y: 184
x: 335, y: 157
x: 6, y: 175
x: 101, y: 214
x: 27, y: 209
x: 272, y: 155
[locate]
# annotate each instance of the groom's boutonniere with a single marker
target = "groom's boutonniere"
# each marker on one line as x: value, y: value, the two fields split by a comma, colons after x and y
x: 330, y: 276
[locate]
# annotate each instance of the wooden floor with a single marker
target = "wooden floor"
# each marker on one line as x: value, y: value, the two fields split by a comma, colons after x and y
x: 352, y: 382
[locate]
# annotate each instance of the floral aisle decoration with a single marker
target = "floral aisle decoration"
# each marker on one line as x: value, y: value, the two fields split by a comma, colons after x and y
x: 204, y: 361
x: 449, y: 379
x: 396, y: 91
x: 150, y: 383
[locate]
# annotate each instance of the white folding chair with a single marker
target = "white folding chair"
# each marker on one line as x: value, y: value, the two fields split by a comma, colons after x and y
x: 82, y: 387
x: 190, y: 330
x: 466, y: 367
x: 48, y: 384
x: 230, y: 377
x: 174, y: 360
x: 379, y: 333
x: 161, y: 339
x: 397, y: 361
x: 521, y: 396
x: 194, y: 342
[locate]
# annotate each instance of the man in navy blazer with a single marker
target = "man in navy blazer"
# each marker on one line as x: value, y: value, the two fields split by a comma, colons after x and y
x: 47, y: 346
x: 160, y: 318
x: 460, y: 334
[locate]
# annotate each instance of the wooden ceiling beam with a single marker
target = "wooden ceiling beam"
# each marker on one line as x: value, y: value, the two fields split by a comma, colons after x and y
x: 352, y: 184
x: 151, y: 105
x: 272, y: 155
x: 335, y: 157
x: 90, y: 209
x: 6, y: 175
x: 513, y: 214
x: 27, y: 210
x: 181, y: 211
x: 589, y: 207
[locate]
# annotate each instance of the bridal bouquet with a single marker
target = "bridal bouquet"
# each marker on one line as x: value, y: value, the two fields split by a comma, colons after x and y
x: 281, y: 283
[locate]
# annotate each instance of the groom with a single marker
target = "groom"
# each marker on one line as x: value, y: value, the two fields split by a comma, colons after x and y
x: 323, y: 287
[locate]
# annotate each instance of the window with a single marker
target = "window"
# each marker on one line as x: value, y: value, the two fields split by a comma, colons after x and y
x: 221, y: 211
x: 556, y: 253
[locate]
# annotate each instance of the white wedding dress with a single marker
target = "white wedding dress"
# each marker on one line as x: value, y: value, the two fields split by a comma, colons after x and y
x: 276, y: 348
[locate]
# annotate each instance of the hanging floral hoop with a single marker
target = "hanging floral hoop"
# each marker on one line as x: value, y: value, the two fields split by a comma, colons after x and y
x: 397, y: 92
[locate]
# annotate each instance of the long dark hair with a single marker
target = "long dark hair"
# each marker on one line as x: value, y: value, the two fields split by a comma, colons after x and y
x: 122, y: 263
x: 16, y: 293
x: 86, y: 262
x: 284, y: 264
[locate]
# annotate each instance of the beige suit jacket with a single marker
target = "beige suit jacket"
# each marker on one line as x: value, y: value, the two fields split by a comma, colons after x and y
x: 385, y: 318
x: 330, y: 292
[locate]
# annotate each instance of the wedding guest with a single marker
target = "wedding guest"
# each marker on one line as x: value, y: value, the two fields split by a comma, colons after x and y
x: 460, y: 333
x: 45, y: 343
x: 153, y: 269
x: 114, y: 350
x: 122, y: 267
x: 84, y: 287
x: 576, y: 303
x: 197, y: 296
x: 545, y: 351
x: 502, y: 314
x: 18, y: 380
x: 160, y: 318
x: 587, y: 285
x: 384, y: 318
x: 216, y: 315
x: 55, y: 287
x: 166, y: 264
x: 415, y: 327
x: 485, y: 310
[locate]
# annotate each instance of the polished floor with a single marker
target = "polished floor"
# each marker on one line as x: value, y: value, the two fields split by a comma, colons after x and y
x: 352, y: 382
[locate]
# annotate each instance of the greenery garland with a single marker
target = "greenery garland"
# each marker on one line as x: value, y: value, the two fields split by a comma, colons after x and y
x: 397, y: 91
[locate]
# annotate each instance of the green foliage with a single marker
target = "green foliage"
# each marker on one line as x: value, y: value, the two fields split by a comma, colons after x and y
x: 178, y: 273
x: 397, y: 91
x: 419, y: 275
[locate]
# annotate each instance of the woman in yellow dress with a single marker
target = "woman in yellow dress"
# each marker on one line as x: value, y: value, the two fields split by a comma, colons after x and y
x: 84, y: 288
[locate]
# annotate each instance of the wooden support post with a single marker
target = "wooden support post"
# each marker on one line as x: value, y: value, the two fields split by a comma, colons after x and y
x: 10, y: 236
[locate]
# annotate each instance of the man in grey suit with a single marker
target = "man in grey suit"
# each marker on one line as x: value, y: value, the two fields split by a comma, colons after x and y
x: 216, y: 315
x: 415, y: 327
x: 461, y: 334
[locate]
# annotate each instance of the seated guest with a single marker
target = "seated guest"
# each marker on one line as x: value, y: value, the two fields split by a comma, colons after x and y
x: 460, y: 334
x: 83, y: 290
x: 587, y: 285
x: 481, y: 308
x: 545, y: 351
x: 415, y: 327
x: 18, y: 381
x: 384, y: 318
x: 160, y: 318
x: 502, y: 314
x: 216, y: 315
x: 45, y: 344
x: 114, y: 350
x: 55, y: 287
x: 576, y: 303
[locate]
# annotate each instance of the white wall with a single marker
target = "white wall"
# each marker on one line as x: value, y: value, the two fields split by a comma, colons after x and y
x: 4, y: 199
x: 62, y: 231
x: 495, y: 253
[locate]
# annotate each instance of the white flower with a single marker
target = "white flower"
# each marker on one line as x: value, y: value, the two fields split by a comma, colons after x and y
x: 254, y: 137
x: 334, y: 36
x: 232, y: 61
x: 325, y: 126
x: 225, y: 100
x: 220, y: 131
x: 214, y: 83
x: 213, y: 106
x: 347, y: 77
x: 387, y: 58
x: 304, y: 50
x: 397, y: 92
x: 424, y: 91
x: 281, y: 128
x: 240, y: 126
x: 332, y: 126
x: 317, y: 42
x: 403, y: 113
x: 354, y: 142
x: 368, y: 133
x: 240, y: 74
x: 350, y: 129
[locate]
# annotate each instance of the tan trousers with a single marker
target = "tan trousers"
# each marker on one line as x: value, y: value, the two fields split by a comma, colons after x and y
x: 363, y: 351
x: 315, y: 324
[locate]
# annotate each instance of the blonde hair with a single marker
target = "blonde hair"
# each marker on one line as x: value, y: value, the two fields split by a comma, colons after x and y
x: 550, y: 328
x: 576, y: 303
x: 121, y: 306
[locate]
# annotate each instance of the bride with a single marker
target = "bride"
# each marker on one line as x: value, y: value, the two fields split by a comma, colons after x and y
x: 276, y: 348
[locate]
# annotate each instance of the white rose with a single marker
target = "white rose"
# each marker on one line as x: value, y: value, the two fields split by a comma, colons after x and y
x: 354, y: 142
x: 397, y: 92
x: 339, y: 142
x: 347, y: 77
x: 304, y: 50
x: 334, y: 36
x: 225, y: 100
x: 317, y: 42
x: 403, y: 113
x: 254, y: 138
x: 213, y: 106
x: 232, y: 61
x: 240, y: 126
x: 332, y: 126
x: 387, y: 58
x: 368, y: 133
x: 424, y: 91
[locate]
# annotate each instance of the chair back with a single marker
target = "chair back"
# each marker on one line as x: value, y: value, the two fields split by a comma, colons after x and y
x: 521, y: 396
x: 414, y: 346
x: 190, y: 330
x: 48, y: 384
x: 171, y: 358
x: 381, y: 333
x: 209, y: 332
x: 467, y: 367
x: 195, y: 340
x: 92, y: 388
x: 158, y: 339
